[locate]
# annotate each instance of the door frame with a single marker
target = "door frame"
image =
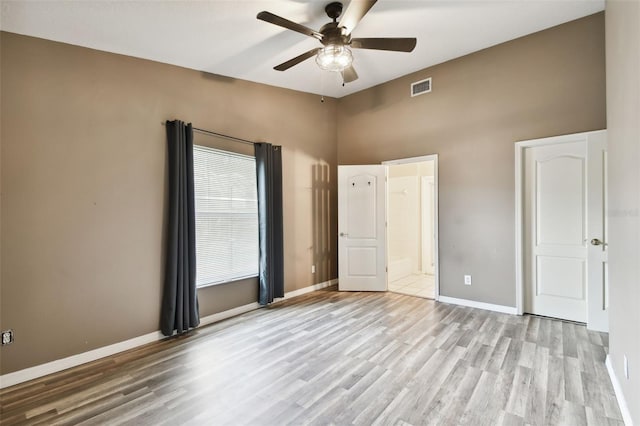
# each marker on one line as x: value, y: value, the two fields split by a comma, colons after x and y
x: 519, y: 203
x: 436, y: 250
x: 424, y: 204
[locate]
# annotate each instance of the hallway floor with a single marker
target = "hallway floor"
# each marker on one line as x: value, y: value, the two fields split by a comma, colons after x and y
x: 420, y: 285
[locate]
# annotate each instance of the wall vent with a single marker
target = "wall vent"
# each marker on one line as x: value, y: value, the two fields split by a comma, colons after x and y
x: 421, y: 87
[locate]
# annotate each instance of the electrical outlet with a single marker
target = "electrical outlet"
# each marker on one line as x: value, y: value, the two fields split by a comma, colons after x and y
x: 313, y: 269
x: 7, y: 337
x: 626, y: 367
x: 467, y: 280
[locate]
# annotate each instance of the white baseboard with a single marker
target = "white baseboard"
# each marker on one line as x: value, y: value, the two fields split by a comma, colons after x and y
x: 210, y: 319
x: 480, y: 305
x: 309, y: 289
x: 31, y: 373
x: 622, y: 403
x: 41, y: 370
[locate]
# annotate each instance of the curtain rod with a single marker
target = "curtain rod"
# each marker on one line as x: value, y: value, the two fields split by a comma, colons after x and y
x: 210, y: 133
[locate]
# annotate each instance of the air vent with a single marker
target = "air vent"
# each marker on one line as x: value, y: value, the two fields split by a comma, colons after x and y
x: 421, y: 87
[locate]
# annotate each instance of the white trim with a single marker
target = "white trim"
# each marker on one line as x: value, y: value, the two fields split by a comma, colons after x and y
x: 436, y: 226
x: 519, y: 152
x: 31, y: 373
x: 480, y: 305
x: 210, y: 319
x: 41, y: 370
x: 624, y: 408
x: 431, y: 157
x: 425, y: 203
x: 305, y: 290
x: 520, y: 146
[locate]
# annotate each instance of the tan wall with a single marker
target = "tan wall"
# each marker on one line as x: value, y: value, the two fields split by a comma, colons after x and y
x: 83, y: 188
x: 83, y: 171
x: 623, y: 118
x: 544, y: 84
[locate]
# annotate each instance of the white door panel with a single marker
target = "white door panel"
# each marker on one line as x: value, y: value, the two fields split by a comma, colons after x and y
x: 564, y: 200
x: 362, y: 228
x: 560, y: 204
x: 555, y: 213
x: 554, y: 277
x: 361, y: 206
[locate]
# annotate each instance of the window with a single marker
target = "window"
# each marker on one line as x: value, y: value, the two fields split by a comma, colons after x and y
x: 226, y: 216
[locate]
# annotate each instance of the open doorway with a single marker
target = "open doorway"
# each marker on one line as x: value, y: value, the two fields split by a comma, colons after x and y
x: 412, y: 226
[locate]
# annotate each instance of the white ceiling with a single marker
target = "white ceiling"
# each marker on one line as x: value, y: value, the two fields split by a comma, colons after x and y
x: 224, y: 37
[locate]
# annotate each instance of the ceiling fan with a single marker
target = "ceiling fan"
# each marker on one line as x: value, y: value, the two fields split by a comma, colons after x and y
x: 335, y: 55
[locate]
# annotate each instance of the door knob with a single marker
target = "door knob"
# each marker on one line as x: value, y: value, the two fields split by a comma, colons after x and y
x: 342, y: 234
x: 596, y: 242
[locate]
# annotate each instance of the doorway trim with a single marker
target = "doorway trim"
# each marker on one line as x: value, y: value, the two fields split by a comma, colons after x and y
x: 519, y: 205
x: 425, y: 203
x: 436, y: 245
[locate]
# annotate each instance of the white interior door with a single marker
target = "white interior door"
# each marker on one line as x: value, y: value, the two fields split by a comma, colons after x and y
x: 564, y: 274
x: 362, y: 257
x: 556, y: 220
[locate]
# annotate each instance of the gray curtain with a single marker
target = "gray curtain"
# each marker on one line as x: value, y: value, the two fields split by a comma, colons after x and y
x: 179, y: 310
x: 269, y: 174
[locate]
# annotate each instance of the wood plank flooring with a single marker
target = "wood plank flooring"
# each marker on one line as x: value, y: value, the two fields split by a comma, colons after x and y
x: 340, y: 358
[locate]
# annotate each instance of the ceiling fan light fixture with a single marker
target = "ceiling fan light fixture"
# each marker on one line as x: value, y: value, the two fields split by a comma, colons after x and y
x: 334, y: 57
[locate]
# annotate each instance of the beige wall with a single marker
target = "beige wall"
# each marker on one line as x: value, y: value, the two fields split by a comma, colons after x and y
x: 623, y: 119
x: 83, y: 171
x: 83, y: 190
x: 548, y: 83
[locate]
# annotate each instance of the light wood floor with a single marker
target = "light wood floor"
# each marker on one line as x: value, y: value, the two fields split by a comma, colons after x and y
x: 340, y: 358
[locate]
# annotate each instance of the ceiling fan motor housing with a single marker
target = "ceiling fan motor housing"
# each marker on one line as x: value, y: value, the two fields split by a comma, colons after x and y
x: 333, y: 34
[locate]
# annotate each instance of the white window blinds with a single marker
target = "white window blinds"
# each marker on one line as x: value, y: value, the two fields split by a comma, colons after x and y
x: 226, y: 216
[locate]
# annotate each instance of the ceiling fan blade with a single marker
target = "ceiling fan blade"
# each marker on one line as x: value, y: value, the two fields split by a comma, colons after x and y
x: 349, y: 74
x: 285, y: 23
x: 295, y: 61
x: 355, y: 11
x: 393, y: 44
